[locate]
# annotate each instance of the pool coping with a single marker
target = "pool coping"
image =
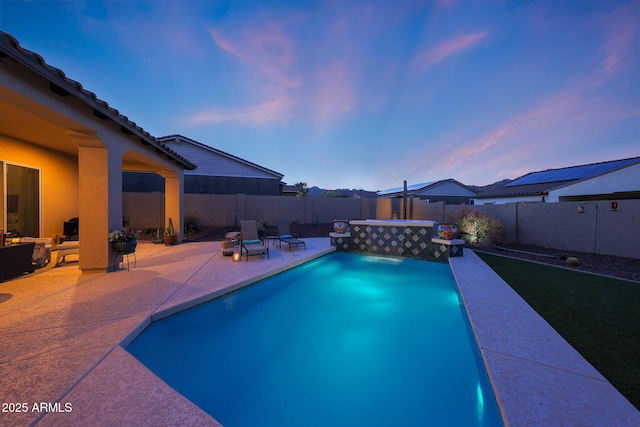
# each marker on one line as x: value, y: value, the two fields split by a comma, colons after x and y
x: 172, y: 307
x: 538, y: 378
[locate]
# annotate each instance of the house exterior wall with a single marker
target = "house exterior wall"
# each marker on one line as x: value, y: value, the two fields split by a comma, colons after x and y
x: 59, y: 181
x: 453, y: 200
x: 623, y: 180
x: 503, y: 200
x: 201, y: 184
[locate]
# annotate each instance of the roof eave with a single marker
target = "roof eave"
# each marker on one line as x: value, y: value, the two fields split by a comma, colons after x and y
x: 55, y: 76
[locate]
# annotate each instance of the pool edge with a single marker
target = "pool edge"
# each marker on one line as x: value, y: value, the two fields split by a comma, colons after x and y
x: 536, y: 376
x: 160, y: 312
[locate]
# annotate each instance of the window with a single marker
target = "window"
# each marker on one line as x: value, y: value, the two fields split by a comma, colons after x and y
x: 20, y: 206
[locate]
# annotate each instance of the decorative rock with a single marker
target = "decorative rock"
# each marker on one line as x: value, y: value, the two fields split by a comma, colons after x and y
x: 573, y: 261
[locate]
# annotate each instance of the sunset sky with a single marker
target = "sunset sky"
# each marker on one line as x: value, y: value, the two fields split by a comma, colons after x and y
x: 361, y: 94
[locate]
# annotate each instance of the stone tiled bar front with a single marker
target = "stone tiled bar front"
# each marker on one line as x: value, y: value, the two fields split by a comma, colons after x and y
x: 402, y: 238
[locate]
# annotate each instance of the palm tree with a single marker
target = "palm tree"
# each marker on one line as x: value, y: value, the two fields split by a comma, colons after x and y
x: 303, y: 189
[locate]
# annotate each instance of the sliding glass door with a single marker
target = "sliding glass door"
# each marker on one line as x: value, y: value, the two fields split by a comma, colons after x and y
x: 21, y: 201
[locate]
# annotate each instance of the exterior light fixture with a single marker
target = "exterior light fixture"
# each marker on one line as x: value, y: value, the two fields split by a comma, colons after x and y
x: 614, y: 205
x: 581, y: 209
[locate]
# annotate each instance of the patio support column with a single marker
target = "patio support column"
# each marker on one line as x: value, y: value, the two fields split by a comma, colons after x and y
x: 174, y: 201
x: 98, y: 177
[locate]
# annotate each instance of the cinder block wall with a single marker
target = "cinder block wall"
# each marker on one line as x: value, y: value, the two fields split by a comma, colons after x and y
x: 145, y: 210
x: 554, y: 225
x: 560, y: 226
x: 600, y: 230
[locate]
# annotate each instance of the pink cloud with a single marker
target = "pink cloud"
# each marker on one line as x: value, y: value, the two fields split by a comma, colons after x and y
x: 156, y: 32
x: 223, y: 43
x: 277, y: 109
x: 533, y: 133
x: 267, y: 51
x: 278, y: 79
x: 334, y: 95
x: 430, y: 57
x: 621, y: 39
x: 446, y: 3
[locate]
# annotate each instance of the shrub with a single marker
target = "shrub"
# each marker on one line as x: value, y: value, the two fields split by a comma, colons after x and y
x: 476, y: 228
x: 573, y: 262
x: 192, y: 226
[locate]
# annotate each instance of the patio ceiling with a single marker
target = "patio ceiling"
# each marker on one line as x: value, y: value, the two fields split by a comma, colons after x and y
x: 26, y: 120
x: 23, y: 113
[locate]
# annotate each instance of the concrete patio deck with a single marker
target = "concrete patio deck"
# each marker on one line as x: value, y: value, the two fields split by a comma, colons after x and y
x: 62, y: 336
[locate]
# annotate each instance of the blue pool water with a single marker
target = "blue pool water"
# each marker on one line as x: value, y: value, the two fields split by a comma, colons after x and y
x: 345, y: 340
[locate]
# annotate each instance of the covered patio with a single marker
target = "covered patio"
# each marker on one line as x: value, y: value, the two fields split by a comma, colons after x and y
x: 76, y: 147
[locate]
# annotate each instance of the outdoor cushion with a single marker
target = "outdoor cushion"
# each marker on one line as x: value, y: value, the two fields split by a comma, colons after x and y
x: 285, y: 235
x: 251, y: 244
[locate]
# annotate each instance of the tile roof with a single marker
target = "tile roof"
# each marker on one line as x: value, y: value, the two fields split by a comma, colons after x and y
x: 62, y: 85
x: 520, y: 190
x: 414, y: 188
x: 177, y: 138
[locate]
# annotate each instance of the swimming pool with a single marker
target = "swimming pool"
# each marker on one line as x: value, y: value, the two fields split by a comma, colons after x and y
x: 344, y: 340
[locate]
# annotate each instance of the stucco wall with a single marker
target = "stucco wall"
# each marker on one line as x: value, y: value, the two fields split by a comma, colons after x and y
x: 59, y: 178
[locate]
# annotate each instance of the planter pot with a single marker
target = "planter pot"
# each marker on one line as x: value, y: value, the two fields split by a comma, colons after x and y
x: 125, y: 247
x: 169, y: 240
x: 340, y: 226
x: 447, y: 231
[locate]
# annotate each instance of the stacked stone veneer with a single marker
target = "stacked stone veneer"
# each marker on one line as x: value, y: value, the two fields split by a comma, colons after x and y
x: 414, y: 240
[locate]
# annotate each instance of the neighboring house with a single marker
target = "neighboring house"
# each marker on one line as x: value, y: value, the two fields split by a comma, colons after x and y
x: 62, y: 155
x: 217, y: 173
x: 289, y: 190
x: 447, y: 190
x: 613, y: 180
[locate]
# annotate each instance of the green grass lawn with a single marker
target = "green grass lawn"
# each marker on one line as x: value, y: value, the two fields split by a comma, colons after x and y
x: 598, y: 316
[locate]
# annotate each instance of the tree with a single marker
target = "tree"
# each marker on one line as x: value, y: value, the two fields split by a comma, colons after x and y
x: 303, y: 189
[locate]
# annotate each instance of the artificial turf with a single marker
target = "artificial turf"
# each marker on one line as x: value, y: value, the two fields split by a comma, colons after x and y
x: 598, y: 316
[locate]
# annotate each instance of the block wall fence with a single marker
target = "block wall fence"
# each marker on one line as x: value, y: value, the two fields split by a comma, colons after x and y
x: 555, y: 225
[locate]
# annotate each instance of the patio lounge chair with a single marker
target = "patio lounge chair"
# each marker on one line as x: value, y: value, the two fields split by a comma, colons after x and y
x: 284, y: 235
x: 250, y: 242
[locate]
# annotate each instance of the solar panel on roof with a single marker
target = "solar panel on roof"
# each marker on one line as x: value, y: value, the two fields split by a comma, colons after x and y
x: 571, y: 173
x: 411, y: 187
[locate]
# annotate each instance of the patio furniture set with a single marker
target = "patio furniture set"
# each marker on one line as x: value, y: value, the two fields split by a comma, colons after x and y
x: 248, y: 241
